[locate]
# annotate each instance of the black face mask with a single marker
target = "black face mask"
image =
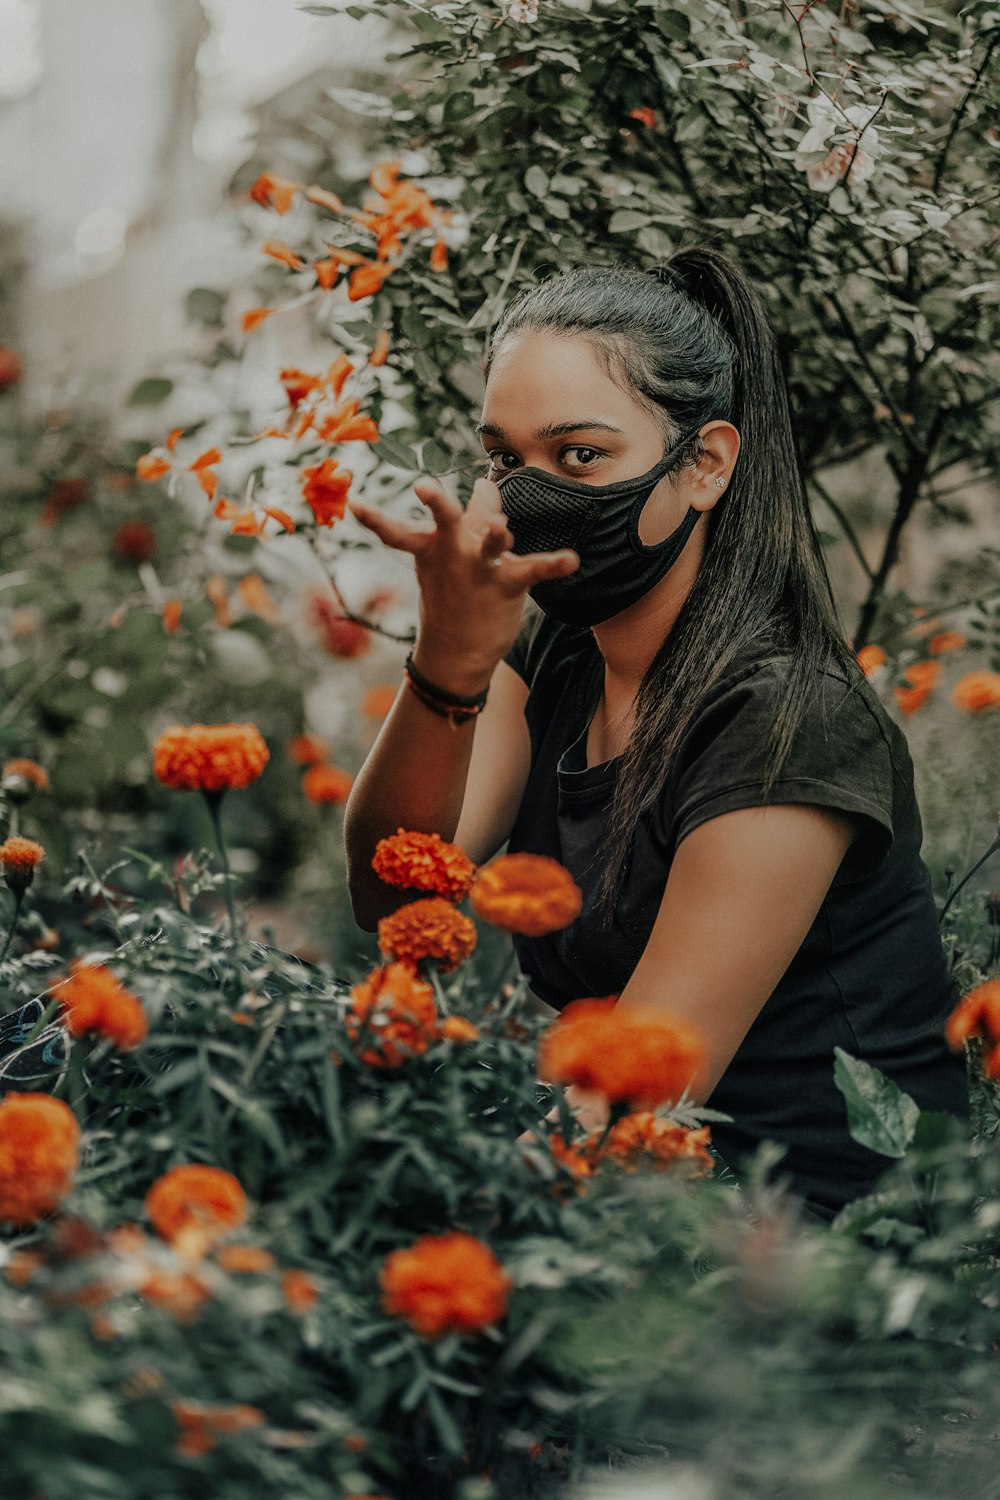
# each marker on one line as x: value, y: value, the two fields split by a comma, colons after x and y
x: 599, y: 521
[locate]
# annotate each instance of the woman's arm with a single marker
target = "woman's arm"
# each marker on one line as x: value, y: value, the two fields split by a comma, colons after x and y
x: 464, y: 783
x: 743, y: 891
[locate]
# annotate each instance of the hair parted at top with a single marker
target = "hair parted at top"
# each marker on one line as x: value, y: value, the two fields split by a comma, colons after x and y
x: 692, y: 341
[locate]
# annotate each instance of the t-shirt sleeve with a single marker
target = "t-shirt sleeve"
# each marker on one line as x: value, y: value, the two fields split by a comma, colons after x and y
x: 839, y: 758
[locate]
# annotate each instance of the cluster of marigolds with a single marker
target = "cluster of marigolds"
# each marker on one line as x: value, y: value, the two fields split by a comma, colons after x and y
x: 447, y: 1283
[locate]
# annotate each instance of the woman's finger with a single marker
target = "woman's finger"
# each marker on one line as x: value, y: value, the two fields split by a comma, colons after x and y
x: 443, y: 507
x: 537, y: 567
x: 484, y: 502
x: 393, y: 533
x: 496, y: 541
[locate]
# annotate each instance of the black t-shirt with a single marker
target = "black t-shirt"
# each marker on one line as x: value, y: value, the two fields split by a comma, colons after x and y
x: 871, y: 975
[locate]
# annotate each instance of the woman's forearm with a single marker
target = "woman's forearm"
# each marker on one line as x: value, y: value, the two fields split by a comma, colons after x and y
x: 414, y: 777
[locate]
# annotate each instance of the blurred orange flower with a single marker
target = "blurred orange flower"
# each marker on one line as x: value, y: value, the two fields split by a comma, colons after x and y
x: 94, y: 1000
x: 64, y: 495
x: 644, y: 115
x: 254, y: 593
x: 459, y: 1029
x: 201, y: 1423
x: 643, y: 1139
x: 172, y: 610
x: 193, y: 1206
x: 429, y: 928
x: 298, y: 384
x: 946, y: 640
x: 39, y: 1152
x: 323, y: 783
x: 526, y: 893
x: 284, y: 253
x: 978, y: 1014
x: 367, y: 279
x: 254, y: 317
x: 209, y: 757
x: 20, y: 858
x: 325, y: 490
x: 181, y: 1293
x: 445, y: 1283
x: 912, y: 698
x: 923, y: 673
x: 323, y: 198
x: 135, y: 541
x: 28, y: 770
x: 393, y: 1010
x: 307, y: 749
x: 423, y: 862
x: 439, y: 256
x: 11, y: 368
x: 245, y: 1260
x: 639, y: 1063
x: 870, y: 657
x: 215, y: 588
x: 977, y: 691
x: 272, y: 191
x: 150, y: 467
x: 378, y: 700
x: 299, y: 1290
x: 338, y: 635
x: 381, y: 347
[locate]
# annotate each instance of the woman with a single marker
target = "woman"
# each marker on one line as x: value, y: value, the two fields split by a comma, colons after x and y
x: 683, y: 725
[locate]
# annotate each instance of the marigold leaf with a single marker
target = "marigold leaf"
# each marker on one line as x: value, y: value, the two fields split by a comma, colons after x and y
x: 879, y: 1115
x: 150, y: 392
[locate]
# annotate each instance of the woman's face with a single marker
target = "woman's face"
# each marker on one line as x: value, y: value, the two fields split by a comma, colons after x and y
x: 549, y: 403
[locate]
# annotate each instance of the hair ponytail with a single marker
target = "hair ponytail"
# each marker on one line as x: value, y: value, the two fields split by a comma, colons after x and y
x: 693, y: 341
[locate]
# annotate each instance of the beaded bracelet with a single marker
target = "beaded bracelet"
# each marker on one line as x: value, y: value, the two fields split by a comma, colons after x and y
x: 454, y: 707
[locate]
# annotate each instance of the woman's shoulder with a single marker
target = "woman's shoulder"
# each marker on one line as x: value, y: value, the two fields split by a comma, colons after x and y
x: 545, y: 645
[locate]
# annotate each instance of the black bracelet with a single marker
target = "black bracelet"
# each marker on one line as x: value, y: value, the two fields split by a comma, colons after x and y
x: 475, y: 701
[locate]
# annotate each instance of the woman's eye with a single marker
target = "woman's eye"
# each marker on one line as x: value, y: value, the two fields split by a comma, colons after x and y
x: 584, y: 456
x: 496, y: 460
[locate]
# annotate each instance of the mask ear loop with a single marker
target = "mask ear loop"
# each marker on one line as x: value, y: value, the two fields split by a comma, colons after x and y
x: 635, y: 514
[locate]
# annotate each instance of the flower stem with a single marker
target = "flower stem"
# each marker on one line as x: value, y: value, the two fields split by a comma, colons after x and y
x: 18, y: 898
x: 214, y: 800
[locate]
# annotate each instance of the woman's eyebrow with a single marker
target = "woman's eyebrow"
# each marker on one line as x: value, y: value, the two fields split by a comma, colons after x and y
x: 556, y: 429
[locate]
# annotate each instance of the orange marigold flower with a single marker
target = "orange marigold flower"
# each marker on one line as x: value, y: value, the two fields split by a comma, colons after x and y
x: 439, y: 256
x: 245, y: 1260
x: 327, y: 270
x: 977, y: 691
x: 323, y: 198
x: 150, y: 467
x: 395, y: 1010
x: 20, y: 858
x: 27, y: 770
x: 445, y: 1283
x: 423, y: 862
x: 254, y: 317
x: 209, y: 757
x: 946, y: 640
x: 11, y: 368
x: 378, y: 700
x: 459, y: 1029
x: 253, y: 591
x: 430, y: 928
x: 325, y: 490
x: 338, y: 635
x: 327, y: 784
x: 193, y: 1206
x: 383, y: 177
x: 39, y: 1152
x: 298, y: 384
x: 641, y: 1139
x: 181, y: 1293
x: 870, y: 657
x: 526, y: 893
x: 135, y: 541
x: 284, y: 253
x: 215, y: 588
x: 282, y: 517
x: 644, y: 115
x: 337, y: 375
x: 977, y: 1014
x: 577, y: 1159
x: 65, y: 494
x: 923, y: 673
x: 172, y: 614
x: 94, y: 1000
x: 912, y: 698
x: 381, y: 347
x: 23, y: 1266
x: 640, y: 1063
x: 347, y: 427
x: 299, y: 1290
x: 367, y: 279
x: 272, y: 191
x: 307, y: 749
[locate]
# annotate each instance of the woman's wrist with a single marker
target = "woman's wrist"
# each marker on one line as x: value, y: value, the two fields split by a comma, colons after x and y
x: 455, y: 675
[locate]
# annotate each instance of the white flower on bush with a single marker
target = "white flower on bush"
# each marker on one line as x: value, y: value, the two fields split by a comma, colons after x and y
x: 851, y: 160
x: 522, y: 11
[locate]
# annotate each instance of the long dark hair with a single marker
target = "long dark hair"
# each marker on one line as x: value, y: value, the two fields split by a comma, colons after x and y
x: 692, y: 341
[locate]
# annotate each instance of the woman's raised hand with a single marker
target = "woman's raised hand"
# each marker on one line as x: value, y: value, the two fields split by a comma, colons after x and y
x: 472, y: 585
